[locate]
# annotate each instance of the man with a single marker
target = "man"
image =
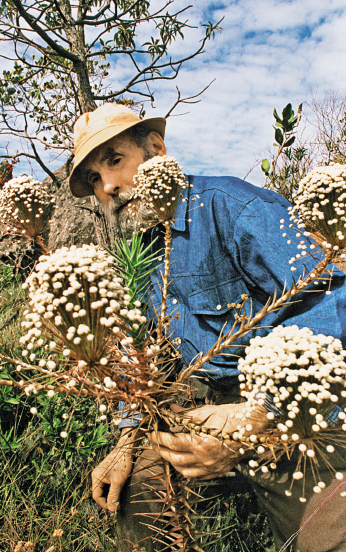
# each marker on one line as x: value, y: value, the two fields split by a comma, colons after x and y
x: 229, y: 247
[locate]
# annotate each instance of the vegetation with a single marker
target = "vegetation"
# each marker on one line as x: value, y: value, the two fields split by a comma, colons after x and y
x: 45, y: 481
x: 297, y: 152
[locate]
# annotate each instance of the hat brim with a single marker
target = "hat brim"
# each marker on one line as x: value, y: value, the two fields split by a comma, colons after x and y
x: 80, y: 188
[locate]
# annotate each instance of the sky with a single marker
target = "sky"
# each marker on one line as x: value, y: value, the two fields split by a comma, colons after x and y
x: 269, y: 53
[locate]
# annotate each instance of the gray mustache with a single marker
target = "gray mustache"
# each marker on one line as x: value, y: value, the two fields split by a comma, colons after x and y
x: 119, y: 200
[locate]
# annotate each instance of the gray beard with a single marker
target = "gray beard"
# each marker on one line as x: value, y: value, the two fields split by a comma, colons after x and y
x: 122, y: 221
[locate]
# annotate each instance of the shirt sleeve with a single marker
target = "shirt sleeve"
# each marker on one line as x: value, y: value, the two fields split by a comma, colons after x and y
x: 128, y: 419
x: 262, y: 255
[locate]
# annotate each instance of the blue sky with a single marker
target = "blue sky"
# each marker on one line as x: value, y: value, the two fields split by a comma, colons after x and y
x: 269, y: 53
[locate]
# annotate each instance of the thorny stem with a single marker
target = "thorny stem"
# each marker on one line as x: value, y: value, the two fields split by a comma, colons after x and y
x: 39, y: 241
x: 165, y: 280
x: 39, y: 387
x: 224, y: 342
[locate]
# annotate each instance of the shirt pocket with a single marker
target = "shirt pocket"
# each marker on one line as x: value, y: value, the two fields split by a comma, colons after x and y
x: 212, y: 308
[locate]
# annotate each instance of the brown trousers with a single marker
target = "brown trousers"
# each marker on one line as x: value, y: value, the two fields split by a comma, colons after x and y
x: 318, y: 525
x: 136, y: 516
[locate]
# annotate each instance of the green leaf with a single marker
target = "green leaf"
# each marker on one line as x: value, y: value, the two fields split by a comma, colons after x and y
x: 275, y: 113
x: 289, y: 142
x: 4, y: 375
x: 287, y: 112
x: 12, y: 401
x: 265, y: 166
x: 279, y: 136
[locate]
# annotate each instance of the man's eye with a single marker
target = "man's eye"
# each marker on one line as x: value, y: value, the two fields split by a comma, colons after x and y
x: 115, y: 160
x: 93, y: 179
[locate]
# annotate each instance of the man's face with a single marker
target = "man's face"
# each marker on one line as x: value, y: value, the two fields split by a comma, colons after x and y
x: 110, y: 169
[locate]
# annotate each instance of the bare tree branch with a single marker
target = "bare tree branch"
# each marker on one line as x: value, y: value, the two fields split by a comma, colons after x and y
x: 188, y: 100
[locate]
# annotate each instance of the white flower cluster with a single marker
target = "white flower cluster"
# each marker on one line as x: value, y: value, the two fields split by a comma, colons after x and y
x: 159, y: 182
x: 22, y: 203
x: 300, y: 378
x: 320, y: 204
x: 76, y: 292
x: 296, y: 370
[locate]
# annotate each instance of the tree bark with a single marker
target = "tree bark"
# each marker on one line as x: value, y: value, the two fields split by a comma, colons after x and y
x: 75, y: 35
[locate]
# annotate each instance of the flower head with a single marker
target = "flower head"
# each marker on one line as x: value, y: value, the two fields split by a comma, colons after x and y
x: 290, y: 365
x: 23, y: 200
x: 300, y: 378
x: 75, y: 294
x: 159, y: 183
x: 320, y: 204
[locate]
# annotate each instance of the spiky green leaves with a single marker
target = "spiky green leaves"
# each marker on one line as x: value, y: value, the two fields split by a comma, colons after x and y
x: 136, y: 263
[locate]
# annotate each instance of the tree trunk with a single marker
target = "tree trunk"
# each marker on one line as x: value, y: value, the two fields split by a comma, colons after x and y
x: 75, y: 35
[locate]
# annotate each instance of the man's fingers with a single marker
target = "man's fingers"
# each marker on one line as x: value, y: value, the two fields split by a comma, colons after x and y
x: 177, y: 408
x: 97, y: 492
x: 180, y: 442
x: 177, y: 459
x: 113, y: 499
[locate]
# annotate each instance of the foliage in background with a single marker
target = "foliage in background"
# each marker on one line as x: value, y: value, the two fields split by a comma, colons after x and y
x: 298, y: 150
x: 45, y: 480
x: 329, y: 142
x: 285, y: 170
x: 6, y: 170
x: 62, y: 53
x: 12, y: 300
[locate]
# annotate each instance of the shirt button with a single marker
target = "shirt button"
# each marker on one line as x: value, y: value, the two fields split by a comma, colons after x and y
x: 175, y: 301
x: 218, y: 307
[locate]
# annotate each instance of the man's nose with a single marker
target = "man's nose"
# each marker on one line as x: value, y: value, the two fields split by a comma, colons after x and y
x: 110, y: 184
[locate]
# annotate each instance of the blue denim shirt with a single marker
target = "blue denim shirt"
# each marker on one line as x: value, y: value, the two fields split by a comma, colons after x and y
x: 231, y: 246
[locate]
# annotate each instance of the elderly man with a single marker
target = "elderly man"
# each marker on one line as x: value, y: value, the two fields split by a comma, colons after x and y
x: 230, y: 246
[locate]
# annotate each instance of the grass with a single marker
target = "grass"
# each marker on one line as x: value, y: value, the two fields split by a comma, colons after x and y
x: 45, y: 493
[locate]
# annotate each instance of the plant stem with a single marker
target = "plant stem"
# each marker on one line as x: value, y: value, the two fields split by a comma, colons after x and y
x: 39, y: 241
x: 165, y: 280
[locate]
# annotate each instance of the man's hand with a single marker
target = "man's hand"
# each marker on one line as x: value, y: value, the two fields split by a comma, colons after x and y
x: 205, y: 457
x: 114, y: 470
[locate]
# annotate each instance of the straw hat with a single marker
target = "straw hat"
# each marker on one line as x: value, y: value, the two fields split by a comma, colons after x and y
x: 95, y: 128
